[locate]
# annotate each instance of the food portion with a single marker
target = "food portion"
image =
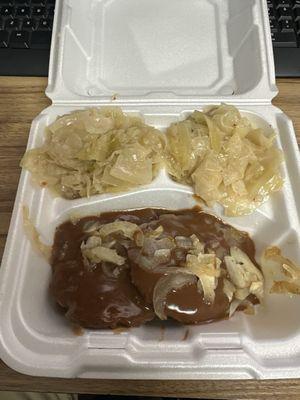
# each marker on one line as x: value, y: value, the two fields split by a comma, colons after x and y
x: 220, y: 153
x: 96, y: 151
x: 282, y: 273
x: 225, y: 158
x: 126, y: 268
x: 91, y: 279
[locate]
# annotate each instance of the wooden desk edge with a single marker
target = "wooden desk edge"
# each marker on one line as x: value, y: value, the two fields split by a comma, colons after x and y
x: 209, y: 389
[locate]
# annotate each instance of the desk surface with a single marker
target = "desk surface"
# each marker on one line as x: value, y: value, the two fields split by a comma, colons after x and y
x: 21, y: 99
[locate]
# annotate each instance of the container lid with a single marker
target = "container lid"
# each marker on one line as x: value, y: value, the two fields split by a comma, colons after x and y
x: 161, y: 51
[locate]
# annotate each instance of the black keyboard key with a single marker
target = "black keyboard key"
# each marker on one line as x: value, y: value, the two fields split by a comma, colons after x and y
x: 22, y: 2
x: 45, y: 24
x: 12, y: 23
x: 41, y: 40
x: 23, y: 12
x: 51, y: 2
x: 296, y: 3
x: 285, y: 13
x: 298, y: 27
x: 38, y: 11
x: 2, y: 23
x: 28, y: 24
x: 4, y: 39
x: 40, y: 3
x: 284, y: 39
x: 19, y: 40
x: 7, y: 11
x: 6, y: 2
x: 282, y: 3
x: 297, y: 14
x: 287, y: 26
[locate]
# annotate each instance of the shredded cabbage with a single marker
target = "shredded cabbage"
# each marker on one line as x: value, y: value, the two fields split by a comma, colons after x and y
x: 96, y: 151
x: 225, y: 158
x: 220, y: 153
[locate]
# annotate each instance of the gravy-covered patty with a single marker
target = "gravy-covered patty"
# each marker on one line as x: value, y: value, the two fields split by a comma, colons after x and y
x: 126, y: 268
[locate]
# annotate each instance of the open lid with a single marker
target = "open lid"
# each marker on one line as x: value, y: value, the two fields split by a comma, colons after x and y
x: 161, y: 51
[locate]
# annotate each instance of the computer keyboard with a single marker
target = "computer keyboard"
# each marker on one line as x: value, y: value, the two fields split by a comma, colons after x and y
x: 25, y: 36
x: 284, y: 18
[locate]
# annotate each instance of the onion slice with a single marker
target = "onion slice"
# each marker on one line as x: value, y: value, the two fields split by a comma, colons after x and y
x: 163, y: 287
x: 34, y: 236
x: 128, y: 229
x: 282, y: 275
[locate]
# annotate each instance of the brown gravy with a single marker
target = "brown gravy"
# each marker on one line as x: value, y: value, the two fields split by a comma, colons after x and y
x: 94, y: 299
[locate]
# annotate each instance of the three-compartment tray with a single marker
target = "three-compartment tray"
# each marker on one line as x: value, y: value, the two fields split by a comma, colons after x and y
x: 160, y: 59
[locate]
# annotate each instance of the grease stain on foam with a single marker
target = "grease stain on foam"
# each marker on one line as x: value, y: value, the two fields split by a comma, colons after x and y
x: 121, y: 329
x: 77, y: 330
x: 199, y: 200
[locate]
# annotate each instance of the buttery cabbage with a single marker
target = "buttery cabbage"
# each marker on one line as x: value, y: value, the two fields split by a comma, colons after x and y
x: 220, y: 153
x: 225, y: 158
x: 96, y: 151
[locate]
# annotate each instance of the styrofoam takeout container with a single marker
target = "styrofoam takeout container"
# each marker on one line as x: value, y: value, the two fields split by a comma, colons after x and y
x: 160, y: 59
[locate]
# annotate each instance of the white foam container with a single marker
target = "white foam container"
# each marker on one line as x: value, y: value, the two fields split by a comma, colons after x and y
x: 161, y: 59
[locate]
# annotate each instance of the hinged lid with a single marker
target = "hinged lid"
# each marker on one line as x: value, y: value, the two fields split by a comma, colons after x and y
x: 161, y: 51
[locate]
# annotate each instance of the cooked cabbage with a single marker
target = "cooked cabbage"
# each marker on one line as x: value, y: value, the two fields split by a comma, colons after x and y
x: 220, y: 153
x: 225, y: 158
x: 96, y: 151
